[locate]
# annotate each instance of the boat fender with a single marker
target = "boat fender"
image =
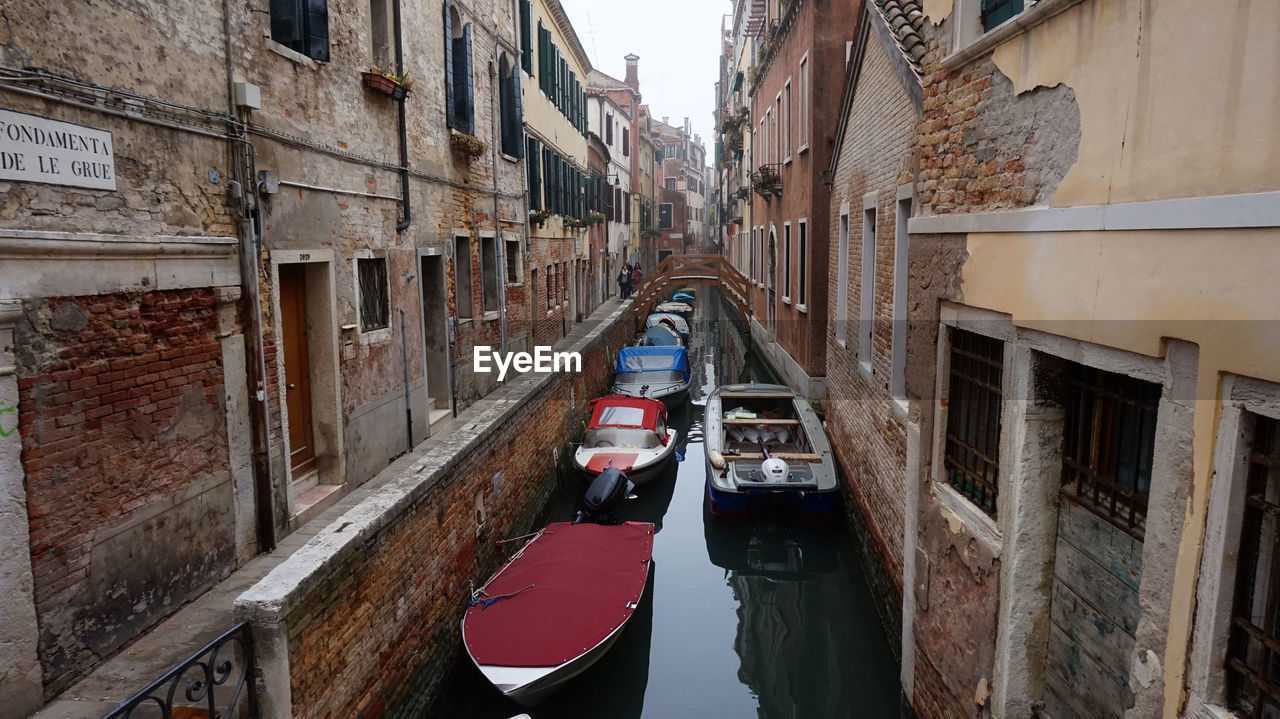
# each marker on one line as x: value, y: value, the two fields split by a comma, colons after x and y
x: 717, y: 459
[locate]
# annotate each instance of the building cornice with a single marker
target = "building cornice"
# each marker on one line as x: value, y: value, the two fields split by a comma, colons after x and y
x: 562, y: 20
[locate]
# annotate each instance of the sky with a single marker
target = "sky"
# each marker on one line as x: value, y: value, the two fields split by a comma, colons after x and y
x: 679, y: 48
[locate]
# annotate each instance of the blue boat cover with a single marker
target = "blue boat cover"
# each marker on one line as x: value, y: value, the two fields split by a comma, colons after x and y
x: 640, y: 359
x: 682, y: 297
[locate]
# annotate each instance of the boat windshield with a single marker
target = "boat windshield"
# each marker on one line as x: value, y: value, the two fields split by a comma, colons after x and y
x: 655, y: 376
x: 606, y: 437
x: 625, y: 416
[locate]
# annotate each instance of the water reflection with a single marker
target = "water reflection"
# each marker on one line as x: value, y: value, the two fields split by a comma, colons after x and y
x: 739, y: 620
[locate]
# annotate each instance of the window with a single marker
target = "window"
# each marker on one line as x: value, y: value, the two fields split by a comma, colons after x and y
x: 626, y: 142
x: 786, y: 262
x: 511, y: 251
x: 489, y: 273
x: 512, y: 109
x: 775, y: 128
x: 971, y: 459
x: 375, y: 308
x: 995, y: 12
x: 802, y: 115
x: 898, y: 346
x: 626, y: 207
x: 1252, y: 655
x: 802, y: 263
x: 459, y: 107
x: 462, y: 275
x: 381, y: 33
x: 867, y: 288
x: 665, y: 221
x: 751, y: 261
x: 551, y: 285
x: 1108, y: 444
x: 608, y: 129
x: 786, y: 121
x: 526, y: 36
x: 763, y: 153
x: 671, y: 183
x: 302, y: 26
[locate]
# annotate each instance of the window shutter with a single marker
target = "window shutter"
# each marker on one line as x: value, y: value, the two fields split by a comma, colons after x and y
x: 542, y: 57
x: 448, y: 70
x: 517, y: 114
x: 286, y: 23
x: 526, y: 36
x: 318, y: 30
x: 466, y: 110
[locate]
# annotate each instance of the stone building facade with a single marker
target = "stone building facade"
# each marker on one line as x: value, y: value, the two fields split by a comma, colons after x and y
x: 792, y: 131
x: 252, y: 300
x: 1082, y: 389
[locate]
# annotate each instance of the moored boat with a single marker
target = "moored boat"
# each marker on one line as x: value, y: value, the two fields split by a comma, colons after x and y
x: 685, y: 297
x: 559, y: 604
x: 680, y: 308
x: 660, y: 336
x: 629, y: 434
x: 669, y: 319
x: 764, y: 443
x: 660, y: 373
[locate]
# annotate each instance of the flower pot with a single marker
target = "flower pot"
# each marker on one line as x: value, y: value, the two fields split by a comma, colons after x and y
x: 381, y: 84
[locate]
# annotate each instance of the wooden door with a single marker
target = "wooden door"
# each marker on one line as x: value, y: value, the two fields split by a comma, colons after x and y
x: 297, y: 367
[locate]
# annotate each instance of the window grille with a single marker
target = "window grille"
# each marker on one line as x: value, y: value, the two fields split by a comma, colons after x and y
x: 1253, y: 647
x: 489, y: 273
x: 462, y: 276
x: 973, y: 417
x: 1108, y: 444
x: 374, y: 305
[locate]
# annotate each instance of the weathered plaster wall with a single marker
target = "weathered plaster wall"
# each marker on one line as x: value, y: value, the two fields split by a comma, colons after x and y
x: 1157, y: 120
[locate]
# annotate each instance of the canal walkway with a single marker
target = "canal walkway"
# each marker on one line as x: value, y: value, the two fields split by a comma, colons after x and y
x: 197, y: 623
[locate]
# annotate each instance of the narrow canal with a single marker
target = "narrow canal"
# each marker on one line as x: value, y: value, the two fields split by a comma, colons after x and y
x: 739, y: 620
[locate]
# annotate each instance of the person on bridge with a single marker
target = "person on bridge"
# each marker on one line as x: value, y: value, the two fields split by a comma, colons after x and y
x: 636, y: 275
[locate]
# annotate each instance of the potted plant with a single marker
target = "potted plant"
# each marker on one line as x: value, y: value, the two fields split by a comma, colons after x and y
x: 538, y: 218
x: 593, y: 218
x: 650, y: 233
x: 469, y: 146
x: 742, y: 193
x: 385, y: 81
x: 573, y: 223
x: 767, y: 182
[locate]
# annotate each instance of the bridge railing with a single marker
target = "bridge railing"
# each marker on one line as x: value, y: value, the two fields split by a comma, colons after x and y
x: 675, y: 270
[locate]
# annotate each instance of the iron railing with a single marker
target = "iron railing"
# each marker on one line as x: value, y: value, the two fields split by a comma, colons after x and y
x: 190, y: 690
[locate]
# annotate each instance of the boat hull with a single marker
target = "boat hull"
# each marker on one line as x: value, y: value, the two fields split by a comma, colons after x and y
x: 641, y: 469
x: 556, y: 607
x: 672, y: 396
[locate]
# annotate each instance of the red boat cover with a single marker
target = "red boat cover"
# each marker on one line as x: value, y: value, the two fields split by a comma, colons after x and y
x: 586, y: 580
x: 621, y: 461
x: 618, y: 410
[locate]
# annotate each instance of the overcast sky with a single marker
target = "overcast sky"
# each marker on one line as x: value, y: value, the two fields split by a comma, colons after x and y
x: 679, y: 49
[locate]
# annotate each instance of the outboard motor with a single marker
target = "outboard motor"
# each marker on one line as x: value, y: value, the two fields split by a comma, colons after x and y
x: 603, y: 497
x: 775, y: 470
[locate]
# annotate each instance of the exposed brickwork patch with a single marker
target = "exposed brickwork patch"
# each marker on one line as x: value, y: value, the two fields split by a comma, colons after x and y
x: 121, y: 409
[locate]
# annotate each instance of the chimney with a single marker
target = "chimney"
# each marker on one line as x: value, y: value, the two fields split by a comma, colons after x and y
x: 633, y: 72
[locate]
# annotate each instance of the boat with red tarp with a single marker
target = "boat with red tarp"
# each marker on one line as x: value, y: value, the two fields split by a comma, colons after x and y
x: 559, y: 604
x: 629, y: 434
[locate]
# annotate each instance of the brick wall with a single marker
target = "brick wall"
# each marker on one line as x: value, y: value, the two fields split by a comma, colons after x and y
x: 868, y: 438
x: 124, y: 443
x: 384, y: 615
x: 982, y: 146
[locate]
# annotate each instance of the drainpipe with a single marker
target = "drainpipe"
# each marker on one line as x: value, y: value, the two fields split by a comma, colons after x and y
x: 404, y: 356
x: 404, y: 131
x: 248, y: 226
x: 500, y: 245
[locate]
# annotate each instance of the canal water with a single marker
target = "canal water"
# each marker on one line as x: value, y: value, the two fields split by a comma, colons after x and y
x: 766, y: 619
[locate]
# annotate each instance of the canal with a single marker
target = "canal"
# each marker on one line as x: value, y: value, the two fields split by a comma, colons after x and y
x: 766, y: 619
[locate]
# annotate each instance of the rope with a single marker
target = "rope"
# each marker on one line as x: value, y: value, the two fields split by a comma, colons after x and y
x: 482, y: 598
